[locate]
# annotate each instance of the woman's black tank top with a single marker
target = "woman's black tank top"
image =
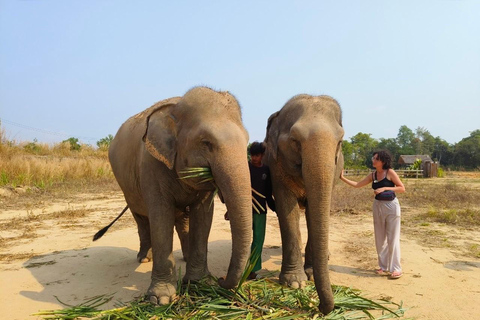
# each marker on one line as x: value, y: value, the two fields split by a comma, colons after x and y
x: 382, y: 183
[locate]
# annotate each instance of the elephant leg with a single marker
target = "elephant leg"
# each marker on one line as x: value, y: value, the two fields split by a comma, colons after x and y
x: 201, y: 216
x: 163, y: 287
x: 143, y: 226
x: 292, y: 272
x: 182, y: 227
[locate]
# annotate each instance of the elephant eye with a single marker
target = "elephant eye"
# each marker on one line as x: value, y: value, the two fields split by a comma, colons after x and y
x: 295, y: 144
x: 207, y: 144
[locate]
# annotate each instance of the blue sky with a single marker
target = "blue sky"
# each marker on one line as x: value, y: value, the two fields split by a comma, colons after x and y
x: 81, y: 68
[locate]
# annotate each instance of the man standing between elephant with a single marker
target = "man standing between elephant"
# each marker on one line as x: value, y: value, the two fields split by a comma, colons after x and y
x: 261, y: 182
x: 262, y: 195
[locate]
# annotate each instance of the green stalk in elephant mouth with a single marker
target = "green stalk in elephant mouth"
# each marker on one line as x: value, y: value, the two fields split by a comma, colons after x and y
x: 205, y: 173
x: 197, y: 172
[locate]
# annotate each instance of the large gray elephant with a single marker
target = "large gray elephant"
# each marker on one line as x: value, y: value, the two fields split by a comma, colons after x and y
x: 148, y: 154
x: 304, y: 153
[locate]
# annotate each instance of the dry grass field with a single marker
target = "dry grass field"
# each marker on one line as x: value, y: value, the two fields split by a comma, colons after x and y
x: 52, y: 204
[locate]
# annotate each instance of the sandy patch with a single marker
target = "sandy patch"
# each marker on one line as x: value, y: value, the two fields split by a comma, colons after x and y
x: 57, y: 258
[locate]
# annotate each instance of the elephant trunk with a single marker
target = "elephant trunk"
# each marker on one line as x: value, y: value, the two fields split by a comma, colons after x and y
x: 233, y: 180
x: 318, y: 168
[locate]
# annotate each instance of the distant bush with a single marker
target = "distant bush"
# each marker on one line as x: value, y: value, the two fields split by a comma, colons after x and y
x: 440, y: 173
x: 32, y: 147
x: 74, y: 145
x: 417, y: 165
x: 104, y: 143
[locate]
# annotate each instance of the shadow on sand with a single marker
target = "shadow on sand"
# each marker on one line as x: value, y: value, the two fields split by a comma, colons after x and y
x: 75, y: 276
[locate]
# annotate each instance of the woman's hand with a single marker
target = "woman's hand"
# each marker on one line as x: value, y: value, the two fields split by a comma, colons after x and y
x: 379, y: 190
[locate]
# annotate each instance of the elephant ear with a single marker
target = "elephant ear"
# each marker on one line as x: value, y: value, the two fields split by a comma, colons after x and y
x: 160, y: 134
x: 272, y: 135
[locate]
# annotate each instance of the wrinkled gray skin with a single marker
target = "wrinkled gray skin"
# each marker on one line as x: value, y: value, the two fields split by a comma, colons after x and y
x: 305, y: 158
x: 201, y: 129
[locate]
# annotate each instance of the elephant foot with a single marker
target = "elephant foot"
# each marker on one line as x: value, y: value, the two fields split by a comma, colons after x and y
x: 143, y: 260
x: 144, y: 256
x: 161, y: 293
x: 222, y: 282
x: 195, y: 276
x: 293, y: 280
x: 309, y: 273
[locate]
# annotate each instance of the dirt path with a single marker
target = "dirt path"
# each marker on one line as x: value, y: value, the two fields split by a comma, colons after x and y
x: 50, y: 256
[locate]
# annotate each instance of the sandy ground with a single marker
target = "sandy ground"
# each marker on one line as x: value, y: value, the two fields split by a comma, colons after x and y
x: 62, y: 261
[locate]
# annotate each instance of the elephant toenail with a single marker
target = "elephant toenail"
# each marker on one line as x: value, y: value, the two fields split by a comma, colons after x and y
x: 164, y: 300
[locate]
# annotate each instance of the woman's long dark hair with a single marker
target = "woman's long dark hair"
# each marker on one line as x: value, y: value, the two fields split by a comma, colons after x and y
x: 385, y: 157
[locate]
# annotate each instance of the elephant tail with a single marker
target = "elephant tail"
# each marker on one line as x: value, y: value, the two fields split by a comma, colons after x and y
x: 100, y: 233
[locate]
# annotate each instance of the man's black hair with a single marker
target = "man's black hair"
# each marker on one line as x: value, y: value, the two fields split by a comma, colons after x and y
x: 256, y: 148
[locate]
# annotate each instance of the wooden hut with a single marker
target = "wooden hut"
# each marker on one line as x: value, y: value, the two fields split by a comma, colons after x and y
x: 428, y: 166
x: 408, y: 160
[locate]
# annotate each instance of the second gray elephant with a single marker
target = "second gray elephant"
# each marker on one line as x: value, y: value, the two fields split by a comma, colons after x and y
x: 148, y: 154
x: 304, y: 152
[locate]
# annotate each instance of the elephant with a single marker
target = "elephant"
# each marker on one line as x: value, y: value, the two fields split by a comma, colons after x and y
x: 304, y: 153
x: 149, y: 156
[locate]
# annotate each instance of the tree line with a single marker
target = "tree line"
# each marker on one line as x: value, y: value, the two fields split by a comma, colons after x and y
x: 463, y: 155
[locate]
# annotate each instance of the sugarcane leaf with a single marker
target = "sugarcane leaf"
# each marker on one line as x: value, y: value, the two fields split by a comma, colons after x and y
x: 258, y: 204
x: 259, y: 299
x: 258, y: 193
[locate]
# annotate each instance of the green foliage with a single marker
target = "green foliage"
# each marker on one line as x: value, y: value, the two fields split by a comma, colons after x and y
x: 405, y: 140
x: 463, y: 217
x: 4, y: 180
x: 260, y: 299
x: 417, y: 165
x: 467, y: 151
x: 104, y: 143
x: 347, y: 150
x: 442, y: 152
x: 74, y: 145
x: 463, y: 155
x: 426, y: 141
x: 440, y: 173
x: 360, y: 151
x: 32, y: 147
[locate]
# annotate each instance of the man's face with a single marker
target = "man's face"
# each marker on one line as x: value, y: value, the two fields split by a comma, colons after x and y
x: 256, y: 159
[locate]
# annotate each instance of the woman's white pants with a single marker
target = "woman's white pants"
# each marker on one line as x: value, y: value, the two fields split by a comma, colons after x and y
x: 386, y: 223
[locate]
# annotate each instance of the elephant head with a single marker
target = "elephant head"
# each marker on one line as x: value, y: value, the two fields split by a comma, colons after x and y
x: 204, y: 129
x: 305, y: 157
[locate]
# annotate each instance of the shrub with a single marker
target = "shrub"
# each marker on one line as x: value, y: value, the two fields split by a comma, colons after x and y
x: 104, y: 143
x: 74, y: 145
x: 440, y: 173
x: 417, y: 165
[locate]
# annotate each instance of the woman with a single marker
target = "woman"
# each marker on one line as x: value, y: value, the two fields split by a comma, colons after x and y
x: 386, y: 212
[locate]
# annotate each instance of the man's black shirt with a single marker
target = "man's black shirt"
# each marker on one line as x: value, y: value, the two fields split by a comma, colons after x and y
x: 261, y: 181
